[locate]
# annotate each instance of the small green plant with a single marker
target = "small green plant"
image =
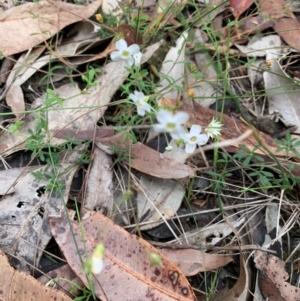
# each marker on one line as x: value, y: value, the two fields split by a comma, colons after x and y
x: 14, y: 128
x: 288, y: 144
x: 246, y: 155
x: 53, y: 98
x: 89, y: 78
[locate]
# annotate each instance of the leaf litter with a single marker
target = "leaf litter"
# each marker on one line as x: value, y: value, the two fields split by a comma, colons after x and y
x: 159, y: 187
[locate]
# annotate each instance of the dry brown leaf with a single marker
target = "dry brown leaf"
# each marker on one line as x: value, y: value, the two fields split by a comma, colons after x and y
x: 289, y: 31
x: 191, y: 261
x: 275, y: 9
x: 17, y: 285
x: 126, y: 261
x: 143, y: 158
x: 158, y: 165
x: 273, y: 280
x: 239, y: 6
x: 39, y: 22
x: 285, y: 22
x: 232, y: 128
x: 79, y: 110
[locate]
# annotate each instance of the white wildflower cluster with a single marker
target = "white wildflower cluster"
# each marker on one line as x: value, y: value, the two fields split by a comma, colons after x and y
x: 174, y: 124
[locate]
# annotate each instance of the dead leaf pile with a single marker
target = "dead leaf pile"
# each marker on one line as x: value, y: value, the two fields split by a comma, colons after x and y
x: 69, y: 168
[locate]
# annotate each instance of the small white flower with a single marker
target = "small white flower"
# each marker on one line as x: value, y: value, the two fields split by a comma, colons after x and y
x: 214, y: 128
x: 140, y: 101
x: 97, y: 265
x: 193, y: 138
x: 125, y: 53
x: 137, y: 58
x: 171, y: 123
x: 97, y: 259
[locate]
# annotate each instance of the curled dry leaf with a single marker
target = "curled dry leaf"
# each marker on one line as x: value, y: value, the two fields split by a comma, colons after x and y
x: 282, y: 94
x: 273, y: 281
x: 99, y: 184
x: 191, y: 261
x: 173, y: 68
x: 39, y: 21
x: 15, y: 99
x: 126, y: 261
x: 158, y: 198
x: 21, y: 286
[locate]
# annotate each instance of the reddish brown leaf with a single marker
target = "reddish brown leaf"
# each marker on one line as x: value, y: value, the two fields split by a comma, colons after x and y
x: 285, y: 22
x: 239, y: 6
x: 191, y: 261
x: 17, y: 285
x: 275, y: 9
x: 127, y: 269
x: 289, y: 31
x: 153, y: 163
x: 130, y: 34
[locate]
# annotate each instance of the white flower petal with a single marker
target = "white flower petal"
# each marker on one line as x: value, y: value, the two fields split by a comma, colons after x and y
x: 140, y: 111
x: 115, y: 55
x: 181, y: 117
x: 181, y: 133
x: 202, y: 139
x: 159, y: 127
x: 190, y: 148
x: 174, y: 135
x: 147, y: 107
x: 129, y: 62
x: 134, y: 49
x: 139, y: 95
x: 195, y: 129
x: 133, y: 97
x: 121, y: 45
x: 163, y: 116
x: 137, y: 58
